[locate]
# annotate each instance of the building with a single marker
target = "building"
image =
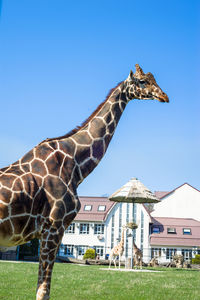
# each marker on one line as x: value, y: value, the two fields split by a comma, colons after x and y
x: 171, y: 228
x: 170, y: 236
x: 99, y: 224
x: 182, y: 202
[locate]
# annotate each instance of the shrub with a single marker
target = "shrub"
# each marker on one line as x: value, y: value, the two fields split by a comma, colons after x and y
x: 90, y: 253
x: 196, y: 260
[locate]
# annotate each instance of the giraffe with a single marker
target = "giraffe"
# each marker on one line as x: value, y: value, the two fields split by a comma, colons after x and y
x: 38, y: 193
x: 118, y: 250
x: 137, y: 256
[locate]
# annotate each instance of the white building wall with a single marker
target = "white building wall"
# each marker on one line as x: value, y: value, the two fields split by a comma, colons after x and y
x: 184, y: 202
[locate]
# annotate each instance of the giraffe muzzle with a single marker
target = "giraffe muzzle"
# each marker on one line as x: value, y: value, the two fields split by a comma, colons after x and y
x: 162, y: 98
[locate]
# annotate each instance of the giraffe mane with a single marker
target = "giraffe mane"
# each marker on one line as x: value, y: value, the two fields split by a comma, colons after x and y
x: 76, y: 129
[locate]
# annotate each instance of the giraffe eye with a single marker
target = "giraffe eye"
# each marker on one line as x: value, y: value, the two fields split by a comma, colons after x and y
x: 142, y: 81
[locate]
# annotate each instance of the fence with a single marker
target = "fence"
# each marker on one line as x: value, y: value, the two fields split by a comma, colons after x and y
x: 30, y: 252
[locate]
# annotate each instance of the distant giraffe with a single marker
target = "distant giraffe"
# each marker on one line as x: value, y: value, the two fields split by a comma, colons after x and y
x: 137, y: 256
x: 118, y: 250
x: 38, y: 193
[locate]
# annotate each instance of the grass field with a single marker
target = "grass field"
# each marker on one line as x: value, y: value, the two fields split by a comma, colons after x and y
x: 74, y: 282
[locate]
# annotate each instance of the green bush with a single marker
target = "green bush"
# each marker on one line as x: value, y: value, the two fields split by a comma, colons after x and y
x: 196, y: 260
x: 90, y: 253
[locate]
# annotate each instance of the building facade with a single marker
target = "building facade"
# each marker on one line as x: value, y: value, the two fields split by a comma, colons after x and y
x: 99, y: 225
x: 174, y: 236
x: 173, y: 227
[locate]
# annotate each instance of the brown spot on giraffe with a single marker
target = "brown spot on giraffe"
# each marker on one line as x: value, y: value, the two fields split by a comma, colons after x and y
x: 38, y: 167
x: 53, y: 163
x: 43, y: 151
x: 5, y: 195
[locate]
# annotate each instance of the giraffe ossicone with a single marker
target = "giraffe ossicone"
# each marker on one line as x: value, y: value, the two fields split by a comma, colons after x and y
x: 38, y: 193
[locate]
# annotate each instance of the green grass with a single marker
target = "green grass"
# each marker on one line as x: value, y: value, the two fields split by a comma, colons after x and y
x: 74, y: 282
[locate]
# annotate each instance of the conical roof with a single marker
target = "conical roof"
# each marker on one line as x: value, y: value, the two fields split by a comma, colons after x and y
x: 134, y: 191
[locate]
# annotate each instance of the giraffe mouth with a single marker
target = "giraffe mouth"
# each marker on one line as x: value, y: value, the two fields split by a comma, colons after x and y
x: 163, y: 98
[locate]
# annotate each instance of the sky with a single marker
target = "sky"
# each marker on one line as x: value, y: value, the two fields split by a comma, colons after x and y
x: 58, y: 61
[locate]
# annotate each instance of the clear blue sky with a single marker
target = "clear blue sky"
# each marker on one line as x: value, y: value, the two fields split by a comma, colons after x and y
x: 60, y: 58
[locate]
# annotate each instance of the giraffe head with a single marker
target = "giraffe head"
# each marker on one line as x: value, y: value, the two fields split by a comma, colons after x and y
x: 125, y: 227
x: 144, y: 86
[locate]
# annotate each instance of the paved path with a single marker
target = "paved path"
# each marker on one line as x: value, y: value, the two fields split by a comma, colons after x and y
x: 129, y: 270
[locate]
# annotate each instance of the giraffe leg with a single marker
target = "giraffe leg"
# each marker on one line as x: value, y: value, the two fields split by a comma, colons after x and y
x: 136, y: 262
x: 50, y: 243
x: 110, y: 260
x: 119, y: 260
x: 141, y: 262
x: 114, y: 260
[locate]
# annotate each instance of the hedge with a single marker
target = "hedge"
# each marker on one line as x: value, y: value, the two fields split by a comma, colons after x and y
x: 196, y: 260
x: 90, y: 253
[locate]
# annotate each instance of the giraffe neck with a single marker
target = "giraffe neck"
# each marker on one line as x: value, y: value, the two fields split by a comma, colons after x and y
x: 134, y: 245
x: 122, y: 239
x: 93, y: 138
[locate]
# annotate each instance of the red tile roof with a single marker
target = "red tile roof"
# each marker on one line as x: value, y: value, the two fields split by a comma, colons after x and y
x: 178, y: 239
x: 160, y: 194
x: 94, y: 215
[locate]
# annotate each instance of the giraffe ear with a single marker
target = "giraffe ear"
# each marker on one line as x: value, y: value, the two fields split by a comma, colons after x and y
x: 130, y: 77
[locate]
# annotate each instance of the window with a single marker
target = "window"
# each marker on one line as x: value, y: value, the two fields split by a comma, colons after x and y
x: 170, y: 253
x: 155, y: 252
x: 127, y: 220
x: 84, y: 228
x: 134, y: 219
x: 112, y: 231
x: 120, y: 221
x: 99, y: 250
x: 142, y: 230
x: 99, y: 229
x: 71, y: 228
x: 186, y: 230
x: 88, y: 207
x: 101, y: 208
x: 171, y: 230
x: 82, y: 249
x: 156, y: 229
x: 187, y: 254
x: 68, y: 249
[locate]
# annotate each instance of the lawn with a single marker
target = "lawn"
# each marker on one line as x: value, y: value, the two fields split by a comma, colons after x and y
x: 74, y: 282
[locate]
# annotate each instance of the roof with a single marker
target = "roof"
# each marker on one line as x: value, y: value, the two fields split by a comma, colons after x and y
x: 148, y: 212
x: 177, y: 239
x: 161, y: 195
x: 134, y: 191
x: 94, y: 215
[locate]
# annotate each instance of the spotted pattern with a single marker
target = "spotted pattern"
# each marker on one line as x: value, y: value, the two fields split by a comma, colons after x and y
x: 137, y: 256
x: 118, y: 250
x: 38, y: 195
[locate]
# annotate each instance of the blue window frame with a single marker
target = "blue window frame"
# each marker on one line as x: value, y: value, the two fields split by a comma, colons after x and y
x: 156, y: 229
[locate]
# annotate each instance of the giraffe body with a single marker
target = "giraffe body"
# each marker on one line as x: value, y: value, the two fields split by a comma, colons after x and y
x: 38, y: 193
x: 118, y: 250
x: 137, y: 256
